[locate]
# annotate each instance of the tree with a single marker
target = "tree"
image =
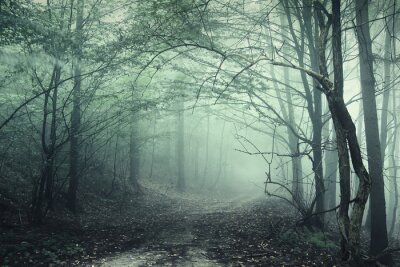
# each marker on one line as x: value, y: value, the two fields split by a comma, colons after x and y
x: 312, y: 97
x: 44, y: 185
x: 180, y: 144
x: 74, y: 171
x: 379, y: 239
x: 134, y: 158
x: 331, y: 166
x: 346, y: 137
x: 297, y: 185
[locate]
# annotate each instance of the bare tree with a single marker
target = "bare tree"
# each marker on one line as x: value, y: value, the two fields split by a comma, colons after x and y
x: 379, y: 240
x: 74, y: 170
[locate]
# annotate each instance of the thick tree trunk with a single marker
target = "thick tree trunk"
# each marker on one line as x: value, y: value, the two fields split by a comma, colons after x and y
x: 379, y: 239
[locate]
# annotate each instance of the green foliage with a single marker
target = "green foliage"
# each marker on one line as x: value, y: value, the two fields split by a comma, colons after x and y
x: 320, y: 240
x: 316, y: 238
x: 174, y: 20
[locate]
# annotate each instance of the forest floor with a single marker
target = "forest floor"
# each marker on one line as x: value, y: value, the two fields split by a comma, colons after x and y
x: 169, y: 229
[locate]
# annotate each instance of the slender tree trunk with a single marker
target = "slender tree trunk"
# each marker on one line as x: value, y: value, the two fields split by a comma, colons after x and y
x: 76, y: 113
x: 379, y: 239
x: 206, y: 154
x: 45, y: 182
x: 134, y: 160
x: 53, y: 139
x: 316, y: 116
x: 313, y: 100
x: 181, y: 148
x: 388, y: 54
x: 393, y: 176
x: 114, y: 167
x: 331, y: 167
x: 153, y: 145
x: 387, y: 86
x: 168, y: 153
x: 297, y: 182
x: 359, y: 126
x: 196, y: 161
x: 394, y: 156
x: 221, y: 153
x: 346, y: 136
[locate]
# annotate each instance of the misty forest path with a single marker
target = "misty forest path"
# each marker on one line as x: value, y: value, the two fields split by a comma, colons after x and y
x: 182, y: 237
x: 237, y: 232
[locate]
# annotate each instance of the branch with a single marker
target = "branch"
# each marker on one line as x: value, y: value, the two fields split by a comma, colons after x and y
x: 323, y: 212
x: 327, y: 85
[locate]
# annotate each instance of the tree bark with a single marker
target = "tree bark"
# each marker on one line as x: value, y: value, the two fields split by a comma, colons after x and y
x: 181, y: 147
x: 297, y: 183
x: 74, y: 170
x: 134, y: 160
x: 44, y: 188
x: 206, y: 150
x: 316, y: 116
x: 394, y: 154
x: 350, y: 227
x: 313, y: 100
x: 153, y: 145
x: 331, y: 167
x: 379, y: 239
x: 220, y: 162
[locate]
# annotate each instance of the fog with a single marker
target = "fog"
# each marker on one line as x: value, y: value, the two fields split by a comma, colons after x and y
x: 199, y: 132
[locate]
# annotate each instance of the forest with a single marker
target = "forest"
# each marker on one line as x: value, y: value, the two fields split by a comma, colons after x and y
x: 199, y: 133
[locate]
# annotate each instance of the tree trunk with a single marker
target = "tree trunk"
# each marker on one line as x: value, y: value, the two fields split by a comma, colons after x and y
x: 316, y: 115
x: 196, y: 161
x: 379, y: 239
x: 360, y: 139
x: 53, y: 139
x: 313, y: 100
x: 206, y: 154
x: 76, y: 113
x: 387, y: 86
x: 221, y: 153
x: 181, y: 148
x: 394, y: 156
x: 153, y: 145
x: 331, y: 166
x: 350, y: 227
x: 134, y: 160
x: 393, y: 175
x: 44, y: 188
x: 297, y: 170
